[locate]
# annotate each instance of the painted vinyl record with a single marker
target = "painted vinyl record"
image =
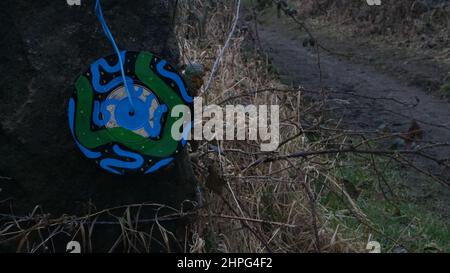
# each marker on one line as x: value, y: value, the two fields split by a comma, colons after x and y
x: 127, y: 130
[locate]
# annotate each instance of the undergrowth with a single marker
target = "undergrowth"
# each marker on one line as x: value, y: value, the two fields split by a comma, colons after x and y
x: 262, y: 202
x: 400, y: 223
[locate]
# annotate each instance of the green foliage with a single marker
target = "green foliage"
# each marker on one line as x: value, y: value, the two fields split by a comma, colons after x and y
x: 445, y: 90
x: 262, y: 4
x: 400, y: 223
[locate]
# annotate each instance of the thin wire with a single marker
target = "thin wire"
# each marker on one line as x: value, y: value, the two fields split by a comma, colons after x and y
x: 222, y: 51
x: 99, y: 13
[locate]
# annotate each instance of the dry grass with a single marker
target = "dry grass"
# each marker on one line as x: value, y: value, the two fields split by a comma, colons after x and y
x: 251, y: 201
x: 418, y: 23
x: 247, y: 205
x: 262, y: 207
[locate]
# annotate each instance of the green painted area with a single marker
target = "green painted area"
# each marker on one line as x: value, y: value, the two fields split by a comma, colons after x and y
x: 165, y: 94
x: 163, y: 147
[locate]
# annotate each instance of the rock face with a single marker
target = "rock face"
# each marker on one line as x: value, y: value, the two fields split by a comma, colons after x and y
x: 45, y: 46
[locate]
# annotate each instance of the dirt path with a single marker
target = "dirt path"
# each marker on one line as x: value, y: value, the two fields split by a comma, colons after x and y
x: 350, y: 84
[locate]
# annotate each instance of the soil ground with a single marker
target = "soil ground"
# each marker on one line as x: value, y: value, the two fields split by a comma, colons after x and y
x: 370, y: 89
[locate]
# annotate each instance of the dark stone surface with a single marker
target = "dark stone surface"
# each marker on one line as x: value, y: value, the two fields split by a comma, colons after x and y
x: 45, y: 46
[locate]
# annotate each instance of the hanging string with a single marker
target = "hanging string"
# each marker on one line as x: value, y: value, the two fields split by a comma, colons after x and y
x: 99, y: 13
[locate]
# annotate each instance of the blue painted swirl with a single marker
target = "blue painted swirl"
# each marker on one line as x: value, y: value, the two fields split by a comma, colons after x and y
x: 96, y: 77
x: 102, y: 108
x: 110, y: 163
x: 159, y: 165
x: 86, y: 152
x: 173, y: 76
x: 186, y: 131
x: 155, y: 129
